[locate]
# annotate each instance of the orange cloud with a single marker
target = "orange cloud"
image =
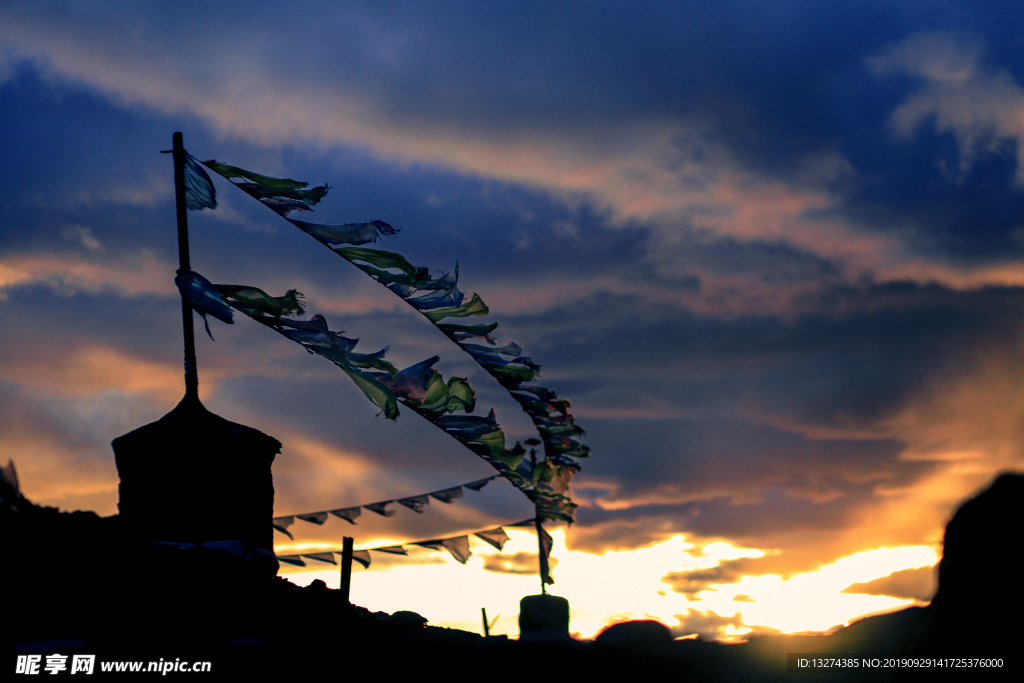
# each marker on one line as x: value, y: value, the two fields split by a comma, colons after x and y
x: 130, y: 275
x: 95, y: 369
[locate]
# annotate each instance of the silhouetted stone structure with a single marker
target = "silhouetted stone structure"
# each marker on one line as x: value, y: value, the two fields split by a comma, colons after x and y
x: 194, y: 477
x: 543, y: 618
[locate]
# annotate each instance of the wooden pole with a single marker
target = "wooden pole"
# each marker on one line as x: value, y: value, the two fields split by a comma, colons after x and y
x: 483, y: 613
x: 346, y: 567
x: 542, y: 559
x: 191, y: 372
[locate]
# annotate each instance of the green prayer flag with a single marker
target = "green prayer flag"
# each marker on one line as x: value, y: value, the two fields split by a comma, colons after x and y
x: 247, y: 298
x: 375, y: 391
x: 474, y: 306
x: 230, y: 172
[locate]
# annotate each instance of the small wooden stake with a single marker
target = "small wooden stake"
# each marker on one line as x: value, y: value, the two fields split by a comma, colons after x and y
x: 346, y: 567
x: 483, y: 612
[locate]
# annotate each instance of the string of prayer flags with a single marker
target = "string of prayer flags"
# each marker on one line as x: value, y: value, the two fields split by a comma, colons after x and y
x: 438, y: 298
x: 415, y: 503
x: 507, y: 364
x: 313, y: 335
x: 316, y: 338
x: 457, y: 546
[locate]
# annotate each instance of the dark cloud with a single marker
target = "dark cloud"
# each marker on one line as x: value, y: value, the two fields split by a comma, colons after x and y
x: 515, y: 563
x: 706, y: 625
x: 693, y: 582
x: 909, y: 584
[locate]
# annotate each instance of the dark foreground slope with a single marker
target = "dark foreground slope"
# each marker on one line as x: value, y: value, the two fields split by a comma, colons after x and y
x: 75, y: 583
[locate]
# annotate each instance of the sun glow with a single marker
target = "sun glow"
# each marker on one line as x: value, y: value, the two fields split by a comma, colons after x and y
x: 624, y: 585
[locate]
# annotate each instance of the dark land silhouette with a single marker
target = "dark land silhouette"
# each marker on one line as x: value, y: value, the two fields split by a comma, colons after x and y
x: 186, y: 571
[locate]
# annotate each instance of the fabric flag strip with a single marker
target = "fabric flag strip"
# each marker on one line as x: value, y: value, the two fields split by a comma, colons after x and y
x: 546, y: 542
x: 335, y: 235
x: 204, y: 298
x: 315, y: 337
x: 478, y: 484
x: 416, y: 503
x: 448, y: 495
x: 362, y: 557
x: 321, y: 557
x: 391, y: 549
x: 457, y: 546
x: 496, y: 537
x: 439, y: 298
x: 318, y: 518
x: 347, y: 514
x: 350, y: 514
x: 381, y: 508
x: 282, y: 524
x: 199, y: 191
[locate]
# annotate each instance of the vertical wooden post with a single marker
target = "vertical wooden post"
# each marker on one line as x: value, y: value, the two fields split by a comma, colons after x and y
x: 191, y: 372
x: 346, y: 567
x: 483, y: 613
x: 542, y: 558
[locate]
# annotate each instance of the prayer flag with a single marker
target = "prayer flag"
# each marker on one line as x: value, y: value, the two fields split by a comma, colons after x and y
x: 496, y: 537
x: 392, y: 549
x: 347, y: 514
x: 203, y: 297
x: 416, y: 503
x: 317, y: 518
x: 199, y: 191
x: 448, y: 495
x: 322, y: 557
x: 479, y: 483
x: 458, y: 547
x: 362, y: 557
x: 381, y: 508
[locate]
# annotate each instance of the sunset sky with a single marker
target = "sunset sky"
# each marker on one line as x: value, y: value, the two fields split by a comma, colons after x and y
x: 772, y: 252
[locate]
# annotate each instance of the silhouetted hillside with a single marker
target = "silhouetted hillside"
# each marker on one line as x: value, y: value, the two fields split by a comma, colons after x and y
x: 78, y: 583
